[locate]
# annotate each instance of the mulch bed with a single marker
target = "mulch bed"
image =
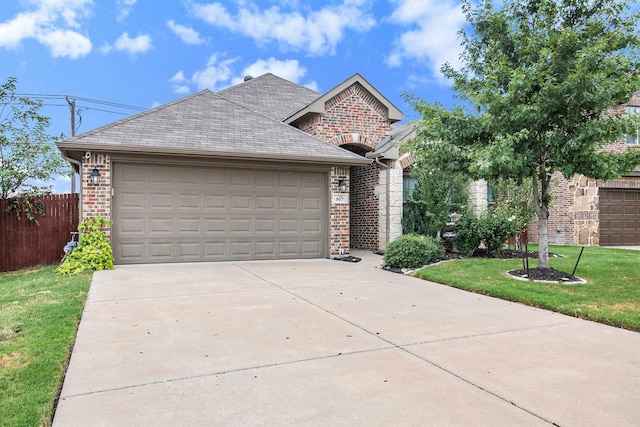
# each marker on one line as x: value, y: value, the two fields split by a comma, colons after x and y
x: 546, y: 274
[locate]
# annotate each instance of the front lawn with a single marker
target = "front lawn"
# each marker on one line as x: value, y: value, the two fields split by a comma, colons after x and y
x: 611, y: 295
x: 39, y: 316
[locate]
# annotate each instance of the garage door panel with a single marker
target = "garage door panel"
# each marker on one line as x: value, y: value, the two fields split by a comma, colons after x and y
x: 161, y: 175
x: 188, y: 176
x: 213, y: 202
x: 619, y: 216
x: 311, y: 204
x: 160, y: 226
x: 212, y: 214
x: 130, y: 225
x: 288, y: 203
x: 311, y: 248
x: 160, y: 250
x: 159, y: 201
x: 288, y: 225
x: 189, y: 201
x: 241, y: 203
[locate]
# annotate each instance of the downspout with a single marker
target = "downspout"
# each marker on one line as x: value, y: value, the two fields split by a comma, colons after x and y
x: 77, y: 163
x: 388, y: 207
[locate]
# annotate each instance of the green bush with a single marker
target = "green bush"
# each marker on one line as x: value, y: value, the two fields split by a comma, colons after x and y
x: 412, y: 251
x: 93, y: 251
x: 493, y: 228
x: 469, y: 233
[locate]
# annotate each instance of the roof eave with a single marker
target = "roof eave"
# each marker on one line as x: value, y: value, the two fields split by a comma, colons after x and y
x: 68, y: 150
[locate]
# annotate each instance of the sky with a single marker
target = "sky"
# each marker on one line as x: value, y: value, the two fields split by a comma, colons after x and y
x: 112, y: 55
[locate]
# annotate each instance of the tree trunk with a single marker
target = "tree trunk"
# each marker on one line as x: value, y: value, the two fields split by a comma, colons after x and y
x: 543, y: 236
x: 541, y: 197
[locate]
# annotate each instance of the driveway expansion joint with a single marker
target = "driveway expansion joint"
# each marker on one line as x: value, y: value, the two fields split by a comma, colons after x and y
x: 402, y: 348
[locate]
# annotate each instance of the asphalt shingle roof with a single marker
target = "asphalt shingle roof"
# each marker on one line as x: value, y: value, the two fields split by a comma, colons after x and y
x: 209, y: 124
x: 271, y: 95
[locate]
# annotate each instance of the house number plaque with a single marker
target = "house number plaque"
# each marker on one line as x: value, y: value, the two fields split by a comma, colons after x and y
x: 340, y: 199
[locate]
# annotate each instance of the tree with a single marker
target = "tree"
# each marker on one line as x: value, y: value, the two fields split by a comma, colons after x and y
x: 28, y: 157
x: 538, y: 80
x: 438, y: 194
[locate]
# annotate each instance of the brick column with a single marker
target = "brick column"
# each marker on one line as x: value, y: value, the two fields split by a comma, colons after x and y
x: 339, y: 212
x: 96, y: 199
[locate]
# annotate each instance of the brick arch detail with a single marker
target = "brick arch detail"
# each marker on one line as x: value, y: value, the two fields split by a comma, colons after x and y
x: 364, y: 141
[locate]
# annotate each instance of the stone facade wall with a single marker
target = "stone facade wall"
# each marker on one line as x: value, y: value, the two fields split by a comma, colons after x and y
x: 478, y: 196
x: 396, y: 175
x: 96, y: 199
x: 574, y: 217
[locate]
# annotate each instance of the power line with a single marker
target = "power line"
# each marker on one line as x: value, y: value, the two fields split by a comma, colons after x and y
x: 41, y: 96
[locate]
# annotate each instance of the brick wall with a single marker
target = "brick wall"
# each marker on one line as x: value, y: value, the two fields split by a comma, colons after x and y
x: 96, y: 200
x: 357, y: 121
x: 339, y: 212
x: 353, y: 116
x: 363, y: 204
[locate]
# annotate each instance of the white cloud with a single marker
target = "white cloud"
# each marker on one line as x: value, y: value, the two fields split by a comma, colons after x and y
x: 318, y: 32
x: 219, y: 74
x: 180, y: 83
x: 216, y: 74
x: 187, y: 34
x: 288, y: 69
x: 432, y: 36
x: 66, y: 43
x: 53, y: 23
x: 131, y: 46
x: 124, y: 8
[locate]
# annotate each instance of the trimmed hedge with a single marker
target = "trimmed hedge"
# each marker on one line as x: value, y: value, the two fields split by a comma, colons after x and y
x: 412, y: 251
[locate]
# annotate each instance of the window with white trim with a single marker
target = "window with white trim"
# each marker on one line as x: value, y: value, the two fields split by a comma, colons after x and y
x: 633, y: 139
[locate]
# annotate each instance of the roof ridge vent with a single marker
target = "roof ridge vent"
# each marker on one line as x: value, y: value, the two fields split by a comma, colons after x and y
x: 247, y: 78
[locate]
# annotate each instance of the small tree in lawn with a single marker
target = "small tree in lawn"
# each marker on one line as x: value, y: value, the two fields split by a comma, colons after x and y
x: 540, y: 77
x: 27, y: 154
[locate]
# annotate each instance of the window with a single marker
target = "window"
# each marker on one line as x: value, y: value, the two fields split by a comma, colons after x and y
x: 635, y: 138
x: 408, y: 185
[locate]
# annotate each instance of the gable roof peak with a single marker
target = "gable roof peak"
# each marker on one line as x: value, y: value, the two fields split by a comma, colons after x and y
x: 318, y: 105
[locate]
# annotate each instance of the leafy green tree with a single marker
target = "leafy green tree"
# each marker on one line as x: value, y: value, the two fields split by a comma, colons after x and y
x: 537, y: 82
x: 438, y: 194
x: 28, y: 157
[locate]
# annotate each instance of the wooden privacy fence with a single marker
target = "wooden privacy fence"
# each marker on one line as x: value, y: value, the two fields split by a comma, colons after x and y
x: 24, y: 243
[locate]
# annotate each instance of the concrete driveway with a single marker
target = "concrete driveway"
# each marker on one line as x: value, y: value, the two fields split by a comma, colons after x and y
x: 326, y: 342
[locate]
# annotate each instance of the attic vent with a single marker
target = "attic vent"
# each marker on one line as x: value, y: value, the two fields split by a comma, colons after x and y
x: 247, y: 78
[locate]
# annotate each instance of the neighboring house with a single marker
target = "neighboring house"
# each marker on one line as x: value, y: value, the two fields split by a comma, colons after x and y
x: 266, y: 169
x: 587, y: 211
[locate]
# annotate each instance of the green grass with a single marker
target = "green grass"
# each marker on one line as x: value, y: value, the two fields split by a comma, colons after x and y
x: 611, y: 294
x: 39, y: 316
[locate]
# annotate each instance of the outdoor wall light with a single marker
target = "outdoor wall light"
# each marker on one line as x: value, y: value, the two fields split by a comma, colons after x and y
x: 95, y: 176
x: 342, y: 184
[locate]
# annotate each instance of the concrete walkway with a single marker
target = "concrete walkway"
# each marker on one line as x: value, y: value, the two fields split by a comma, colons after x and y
x: 334, y: 343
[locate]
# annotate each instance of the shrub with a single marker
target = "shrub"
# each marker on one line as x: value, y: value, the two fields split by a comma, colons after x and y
x: 469, y: 233
x: 493, y: 228
x: 93, y: 251
x: 412, y: 251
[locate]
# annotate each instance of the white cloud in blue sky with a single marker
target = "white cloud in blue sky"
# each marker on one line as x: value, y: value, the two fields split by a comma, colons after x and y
x: 56, y: 24
x: 186, y: 34
x: 317, y: 32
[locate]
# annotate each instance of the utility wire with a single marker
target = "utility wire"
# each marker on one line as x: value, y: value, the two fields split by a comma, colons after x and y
x: 80, y: 98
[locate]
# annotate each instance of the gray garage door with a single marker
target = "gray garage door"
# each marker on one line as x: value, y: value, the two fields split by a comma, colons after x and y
x: 619, y: 217
x: 184, y: 214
